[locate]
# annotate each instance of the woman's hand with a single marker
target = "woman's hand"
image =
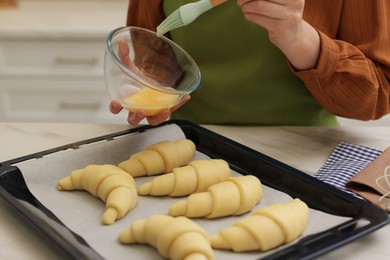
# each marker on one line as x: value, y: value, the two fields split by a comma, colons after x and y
x: 134, y: 118
x: 297, y: 39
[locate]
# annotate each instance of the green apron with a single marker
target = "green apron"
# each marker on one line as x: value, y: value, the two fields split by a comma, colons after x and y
x: 245, y: 78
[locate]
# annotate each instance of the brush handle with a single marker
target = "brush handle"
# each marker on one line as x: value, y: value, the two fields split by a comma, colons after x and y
x: 217, y: 2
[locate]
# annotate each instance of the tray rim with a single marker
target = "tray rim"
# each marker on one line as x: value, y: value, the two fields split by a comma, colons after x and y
x: 333, y: 238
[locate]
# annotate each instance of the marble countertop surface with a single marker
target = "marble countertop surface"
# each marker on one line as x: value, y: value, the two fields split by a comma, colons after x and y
x: 62, y: 19
x: 305, y: 148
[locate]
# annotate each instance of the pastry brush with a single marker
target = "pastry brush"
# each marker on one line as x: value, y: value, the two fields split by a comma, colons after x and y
x: 186, y: 14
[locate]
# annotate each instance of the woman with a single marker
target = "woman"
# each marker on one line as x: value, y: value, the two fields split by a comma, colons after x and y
x: 280, y: 62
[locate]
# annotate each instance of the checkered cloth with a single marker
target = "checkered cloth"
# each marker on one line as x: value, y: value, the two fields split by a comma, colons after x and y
x: 344, y: 162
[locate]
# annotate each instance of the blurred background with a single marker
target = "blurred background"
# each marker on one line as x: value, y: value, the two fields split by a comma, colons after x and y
x: 51, y: 61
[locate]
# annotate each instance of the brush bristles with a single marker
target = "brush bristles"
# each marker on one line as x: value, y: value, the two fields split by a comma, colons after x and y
x: 173, y: 21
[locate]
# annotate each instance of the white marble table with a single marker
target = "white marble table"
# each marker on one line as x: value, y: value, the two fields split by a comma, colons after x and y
x: 305, y: 148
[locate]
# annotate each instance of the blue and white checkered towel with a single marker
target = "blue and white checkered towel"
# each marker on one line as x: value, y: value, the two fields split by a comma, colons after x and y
x: 344, y: 162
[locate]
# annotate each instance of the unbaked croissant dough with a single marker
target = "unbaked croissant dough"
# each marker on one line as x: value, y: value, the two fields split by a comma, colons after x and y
x: 159, y: 158
x: 233, y: 196
x: 108, y: 182
x: 265, y: 229
x: 197, y: 176
x: 174, y: 238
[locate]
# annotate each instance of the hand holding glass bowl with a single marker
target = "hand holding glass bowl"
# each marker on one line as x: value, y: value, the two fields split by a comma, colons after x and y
x: 147, y: 74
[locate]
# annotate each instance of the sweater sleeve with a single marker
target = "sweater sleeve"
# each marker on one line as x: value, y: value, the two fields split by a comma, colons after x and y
x: 352, y: 77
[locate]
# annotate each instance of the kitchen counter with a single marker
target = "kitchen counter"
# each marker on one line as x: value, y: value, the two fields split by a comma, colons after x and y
x: 305, y: 148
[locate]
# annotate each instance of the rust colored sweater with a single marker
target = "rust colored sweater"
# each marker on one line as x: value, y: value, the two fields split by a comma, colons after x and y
x: 352, y: 77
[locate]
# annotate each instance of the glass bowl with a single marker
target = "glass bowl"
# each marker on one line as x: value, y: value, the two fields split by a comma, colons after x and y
x: 147, y: 72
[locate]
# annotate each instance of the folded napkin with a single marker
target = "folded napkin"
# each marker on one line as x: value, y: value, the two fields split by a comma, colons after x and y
x: 373, y: 181
x: 355, y: 169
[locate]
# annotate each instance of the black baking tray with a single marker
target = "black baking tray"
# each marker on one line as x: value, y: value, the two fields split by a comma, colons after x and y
x: 364, y: 216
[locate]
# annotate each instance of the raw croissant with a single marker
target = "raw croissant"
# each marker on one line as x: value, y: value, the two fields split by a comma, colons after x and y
x: 108, y: 182
x: 234, y: 196
x: 265, y: 229
x: 174, y: 238
x: 197, y: 176
x: 159, y: 158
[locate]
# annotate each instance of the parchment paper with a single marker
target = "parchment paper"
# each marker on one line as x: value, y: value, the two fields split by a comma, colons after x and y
x: 81, y: 212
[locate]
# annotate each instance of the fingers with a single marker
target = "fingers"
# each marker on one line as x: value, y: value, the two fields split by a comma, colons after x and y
x: 181, y: 103
x: 242, y: 2
x: 115, y: 107
x: 134, y: 118
x: 262, y: 9
x: 165, y: 114
x: 124, y: 56
x: 159, y: 118
x: 283, y: 19
x: 124, y: 53
x: 162, y: 116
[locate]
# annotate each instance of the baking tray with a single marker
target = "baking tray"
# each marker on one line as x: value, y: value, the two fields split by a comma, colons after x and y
x: 364, y: 217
